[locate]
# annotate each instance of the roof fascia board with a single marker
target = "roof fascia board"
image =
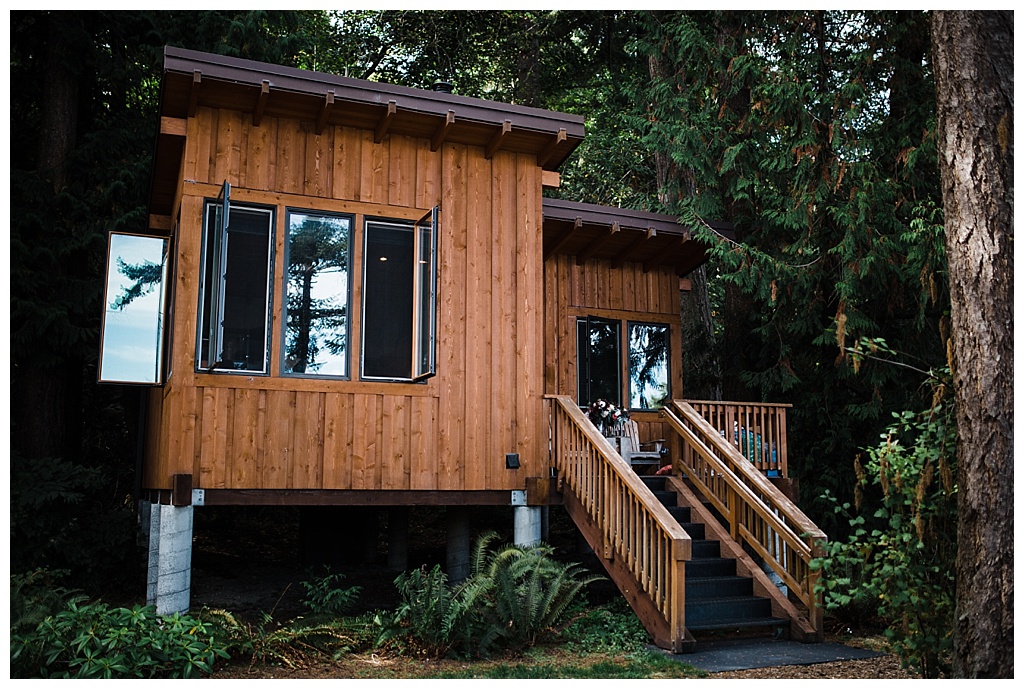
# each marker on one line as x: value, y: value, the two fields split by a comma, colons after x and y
x: 249, y: 72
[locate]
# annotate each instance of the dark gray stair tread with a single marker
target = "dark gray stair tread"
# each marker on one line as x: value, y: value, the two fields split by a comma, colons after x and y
x: 750, y: 623
x: 707, y: 588
x: 666, y: 497
x: 709, y: 610
x: 701, y: 548
x: 710, y: 567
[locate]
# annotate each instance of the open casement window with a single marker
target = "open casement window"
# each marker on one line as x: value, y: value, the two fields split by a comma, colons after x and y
x: 234, y: 291
x: 399, y: 323
x: 132, y: 337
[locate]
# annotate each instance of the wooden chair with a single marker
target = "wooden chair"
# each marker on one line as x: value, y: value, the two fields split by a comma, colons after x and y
x: 631, y: 449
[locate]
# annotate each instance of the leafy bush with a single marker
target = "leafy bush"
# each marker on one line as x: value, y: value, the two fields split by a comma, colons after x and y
x: 513, y: 596
x: 527, y: 592
x: 611, y: 628
x: 325, y: 596
x: 435, y: 617
x: 93, y: 640
x: 901, y: 561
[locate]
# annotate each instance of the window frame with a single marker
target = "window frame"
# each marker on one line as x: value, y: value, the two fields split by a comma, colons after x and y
x: 624, y: 381
x: 221, y: 208
x: 161, y: 355
x: 349, y: 267
x: 424, y: 284
x: 668, y: 362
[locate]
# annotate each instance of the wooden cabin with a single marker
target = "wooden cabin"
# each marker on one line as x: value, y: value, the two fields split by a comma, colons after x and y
x: 354, y: 293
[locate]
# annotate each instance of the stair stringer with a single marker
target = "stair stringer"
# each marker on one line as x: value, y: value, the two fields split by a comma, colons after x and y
x: 800, y: 627
x: 641, y: 604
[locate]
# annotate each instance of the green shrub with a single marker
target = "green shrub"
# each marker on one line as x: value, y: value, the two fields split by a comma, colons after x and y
x: 610, y: 628
x: 512, y: 598
x: 325, y: 596
x: 901, y: 560
x: 527, y: 592
x: 93, y: 640
x: 434, y: 617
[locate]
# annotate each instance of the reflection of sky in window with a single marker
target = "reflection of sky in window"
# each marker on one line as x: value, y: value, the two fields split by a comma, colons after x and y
x: 329, y: 288
x: 648, y: 366
x: 132, y: 339
x: 318, y: 243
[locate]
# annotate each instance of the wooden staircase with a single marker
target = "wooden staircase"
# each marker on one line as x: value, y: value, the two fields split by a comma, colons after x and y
x: 717, y: 597
x: 683, y: 551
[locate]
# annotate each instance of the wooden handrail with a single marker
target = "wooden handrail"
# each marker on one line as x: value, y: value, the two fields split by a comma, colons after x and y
x: 757, y: 430
x: 638, y: 532
x: 756, y: 511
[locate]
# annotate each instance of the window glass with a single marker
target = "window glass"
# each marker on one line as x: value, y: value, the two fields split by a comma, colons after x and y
x: 131, y: 344
x: 598, y: 361
x: 387, y: 323
x: 317, y: 295
x: 236, y: 290
x: 648, y: 365
x: 425, y: 323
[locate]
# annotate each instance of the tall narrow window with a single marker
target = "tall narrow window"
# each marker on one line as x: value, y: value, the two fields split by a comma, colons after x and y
x: 598, y: 361
x: 132, y: 339
x: 648, y: 365
x: 388, y: 300
x: 425, y: 295
x: 317, y: 294
x: 399, y: 324
x: 235, y: 289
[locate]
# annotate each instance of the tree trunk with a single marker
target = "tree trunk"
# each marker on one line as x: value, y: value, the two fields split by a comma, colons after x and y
x: 973, y: 62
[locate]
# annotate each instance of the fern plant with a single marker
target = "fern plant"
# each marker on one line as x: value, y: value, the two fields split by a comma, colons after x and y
x: 528, y: 591
x: 290, y: 644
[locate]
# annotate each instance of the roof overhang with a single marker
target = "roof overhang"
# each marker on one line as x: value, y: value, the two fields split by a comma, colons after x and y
x: 193, y: 79
x: 588, y: 231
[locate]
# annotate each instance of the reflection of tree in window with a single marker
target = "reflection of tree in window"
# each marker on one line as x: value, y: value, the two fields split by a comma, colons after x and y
x: 145, y: 277
x: 648, y: 366
x: 317, y: 330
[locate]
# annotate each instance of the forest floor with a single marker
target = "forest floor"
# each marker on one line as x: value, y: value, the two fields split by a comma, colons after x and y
x: 251, y: 561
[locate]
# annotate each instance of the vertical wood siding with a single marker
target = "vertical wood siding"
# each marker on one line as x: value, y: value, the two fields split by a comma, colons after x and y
x: 269, y: 432
x: 627, y: 293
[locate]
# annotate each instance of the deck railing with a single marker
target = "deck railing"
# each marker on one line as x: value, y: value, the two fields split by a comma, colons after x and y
x: 758, y: 431
x: 637, y: 530
x: 756, y: 511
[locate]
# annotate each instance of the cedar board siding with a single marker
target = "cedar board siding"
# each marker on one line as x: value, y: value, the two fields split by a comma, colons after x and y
x: 452, y: 433
x: 627, y: 293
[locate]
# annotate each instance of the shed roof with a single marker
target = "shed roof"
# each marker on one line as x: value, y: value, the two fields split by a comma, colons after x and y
x: 192, y: 79
x: 587, y: 230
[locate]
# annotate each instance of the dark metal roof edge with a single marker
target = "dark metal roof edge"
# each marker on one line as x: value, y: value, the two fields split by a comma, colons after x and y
x: 183, y: 61
x: 591, y: 213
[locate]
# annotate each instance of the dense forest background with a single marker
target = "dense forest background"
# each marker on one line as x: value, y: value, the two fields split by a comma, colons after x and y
x: 813, y: 132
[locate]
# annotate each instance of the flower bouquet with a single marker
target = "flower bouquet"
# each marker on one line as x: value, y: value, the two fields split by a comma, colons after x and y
x: 607, y: 417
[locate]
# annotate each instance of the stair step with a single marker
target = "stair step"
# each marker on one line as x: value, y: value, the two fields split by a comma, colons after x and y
x: 746, y: 623
x: 701, y: 549
x: 681, y: 514
x: 666, y: 497
x: 703, y: 588
x: 710, y: 567
x: 731, y: 608
x: 695, y: 530
x: 654, y: 483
